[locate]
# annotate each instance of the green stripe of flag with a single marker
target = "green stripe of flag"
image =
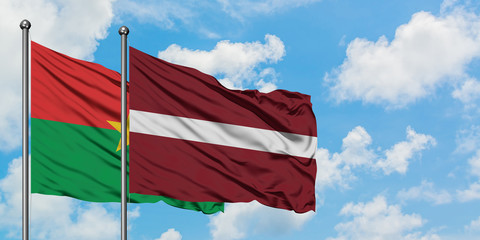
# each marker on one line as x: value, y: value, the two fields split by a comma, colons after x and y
x: 82, y: 162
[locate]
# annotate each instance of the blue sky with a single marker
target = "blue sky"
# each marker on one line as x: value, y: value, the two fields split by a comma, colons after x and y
x: 395, y: 89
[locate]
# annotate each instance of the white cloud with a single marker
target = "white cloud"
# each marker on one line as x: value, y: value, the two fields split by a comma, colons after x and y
x: 468, y: 93
x: 378, y: 220
x: 237, y: 63
x: 170, y: 234
x: 474, y: 226
x: 243, y: 8
x: 425, y: 192
x: 342, y: 43
x: 473, y: 192
x: 71, y: 27
x: 243, y: 219
x: 92, y: 222
x: 470, y: 194
x: 420, y: 236
x: 163, y: 13
x: 265, y: 87
x: 337, y: 168
x: 11, y: 198
x: 468, y: 140
x: 53, y: 217
x: 474, y: 163
x: 426, y: 52
x: 397, y: 157
x: 447, y: 5
x: 133, y: 213
x: 355, y: 150
x: 192, y: 14
x: 268, y: 77
x: 331, y: 171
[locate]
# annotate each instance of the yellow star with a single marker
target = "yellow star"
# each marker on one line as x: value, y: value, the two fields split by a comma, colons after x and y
x: 118, y: 127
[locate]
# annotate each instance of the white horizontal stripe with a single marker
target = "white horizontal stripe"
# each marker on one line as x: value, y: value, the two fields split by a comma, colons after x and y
x: 222, y: 134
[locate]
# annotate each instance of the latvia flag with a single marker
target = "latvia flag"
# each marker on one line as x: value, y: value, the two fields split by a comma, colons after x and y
x: 194, y: 140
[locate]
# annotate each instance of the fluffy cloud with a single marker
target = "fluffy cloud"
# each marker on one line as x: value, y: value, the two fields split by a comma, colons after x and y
x: 242, y: 219
x: 243, y: 8
x: 237, y: 63
x: 378, y: 220
x: 425, y: 192
x: 72, y: 27
x: 468, y: 93
x: 355, y: 148
x: 470, y: 194
x: 473, y: 192
x: 92, y: 222
x: 474, y: 226
x: 53, y: 217
x: 337, y: 168
x: 397, y: 157
x: 331, y: 171
x: 426, y: 52
x: 170, y: 234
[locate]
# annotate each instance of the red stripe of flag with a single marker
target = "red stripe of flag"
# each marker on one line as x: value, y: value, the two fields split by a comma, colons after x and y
x: 206, y: 172
x: 89, y: 97
x: 176, y: 90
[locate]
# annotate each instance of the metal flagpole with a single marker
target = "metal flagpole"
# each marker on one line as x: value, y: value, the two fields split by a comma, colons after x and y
x: 25, y: 26
x: 123, y: 31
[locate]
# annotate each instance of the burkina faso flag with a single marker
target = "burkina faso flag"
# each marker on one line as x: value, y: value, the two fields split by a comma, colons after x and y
x: 75, y: 132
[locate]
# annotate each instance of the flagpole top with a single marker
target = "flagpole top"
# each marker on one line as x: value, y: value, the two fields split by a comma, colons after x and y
x: 123, y: 30
x: 26, y: 24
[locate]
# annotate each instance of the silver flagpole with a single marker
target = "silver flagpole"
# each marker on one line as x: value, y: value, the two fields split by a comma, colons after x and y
x: 123, y: 31
x: 25, y: 26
